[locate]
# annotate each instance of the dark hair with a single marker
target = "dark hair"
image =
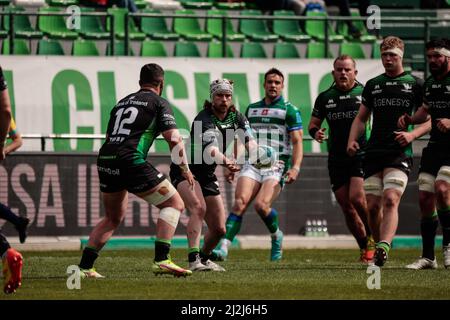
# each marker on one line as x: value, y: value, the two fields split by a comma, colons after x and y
x: 344, y: 57
x: 151, y: 74
x: 273, y: 71
x: 438, y: 43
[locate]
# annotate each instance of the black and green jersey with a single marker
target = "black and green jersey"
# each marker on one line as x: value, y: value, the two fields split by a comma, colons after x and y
x: 437, y: 102
x: 209, y: 130
x: 272, y: 124
x: 339, y: 108
x: 3, y: 85
x: 388, y: 99
x: 134, y: 123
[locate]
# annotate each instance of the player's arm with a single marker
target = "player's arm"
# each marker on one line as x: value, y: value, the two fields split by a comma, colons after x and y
x: 315, y: 130
x: 15, y: 144
x: 358, y: 129
x: 420, y: 116
x: 297, y: 155
x: 5, y: 119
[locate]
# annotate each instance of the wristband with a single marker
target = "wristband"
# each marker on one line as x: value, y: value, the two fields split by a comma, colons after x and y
x: 312, y: 132
x: 296, y: 169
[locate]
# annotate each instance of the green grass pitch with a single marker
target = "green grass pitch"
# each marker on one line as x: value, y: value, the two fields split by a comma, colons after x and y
x: 303, y: 274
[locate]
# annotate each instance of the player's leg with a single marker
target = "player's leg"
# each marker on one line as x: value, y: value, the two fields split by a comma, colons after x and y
x: 442, y: 191
x: 428, y: 222
x: 373, y: 188
x: 358, y: 200
x: 12, y: 266
x: 270, y: 189
x: 115, y: 204
x: 246, y: 190
x: 215, y: 220
x: 394, y: 184
x: 195, y: 204
x: 20, y: 223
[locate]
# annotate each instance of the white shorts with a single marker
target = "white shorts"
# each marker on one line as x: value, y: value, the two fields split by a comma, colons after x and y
x: 261, y: 175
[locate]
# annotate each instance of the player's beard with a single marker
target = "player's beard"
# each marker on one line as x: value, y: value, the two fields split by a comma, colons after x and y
x: 439, y: 71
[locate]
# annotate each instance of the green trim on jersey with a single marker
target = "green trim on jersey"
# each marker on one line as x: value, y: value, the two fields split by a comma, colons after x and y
x: 145, y: 142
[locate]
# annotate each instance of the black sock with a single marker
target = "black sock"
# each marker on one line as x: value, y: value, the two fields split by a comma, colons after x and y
x: 192, y: 256
x: 161, y: 250
x: 88, y: 258
x: 204, y: 257
x: 428, y: 228
x: 4, y: 245
x: 444, y: 218
x: 362, y: 243
x: 8, y: 215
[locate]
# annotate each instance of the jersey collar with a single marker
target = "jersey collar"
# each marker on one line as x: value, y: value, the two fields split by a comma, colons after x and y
x: 279, y: 99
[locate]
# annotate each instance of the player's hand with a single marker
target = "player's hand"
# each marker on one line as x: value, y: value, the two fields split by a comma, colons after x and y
x: 229, y: 176
x: 189, y: 178
x: 291, y: 175
x: 320, y: 135
x: 443, y: 124
x: 403, y: 138
x: 352, y: 148
x: 231, y: 165
x: 404, y: 121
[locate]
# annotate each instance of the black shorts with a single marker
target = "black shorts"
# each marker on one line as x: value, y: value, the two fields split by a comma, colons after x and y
x: 373, y: 164
x: 207, y: 179
x: 433, y: 158
x: 341, y: 172
x: 116, y: 175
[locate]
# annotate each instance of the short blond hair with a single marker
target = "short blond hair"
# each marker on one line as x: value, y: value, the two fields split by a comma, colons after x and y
x: 392, y: 42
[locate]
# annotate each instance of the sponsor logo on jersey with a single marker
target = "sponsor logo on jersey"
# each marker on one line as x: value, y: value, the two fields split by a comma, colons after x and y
x: 330, y: 104
x: 345, y: 97
x: 448, y: 89
x: 407, y: 87
x: 391, y: 83
x: 436, y: 86
x: 265, y: 112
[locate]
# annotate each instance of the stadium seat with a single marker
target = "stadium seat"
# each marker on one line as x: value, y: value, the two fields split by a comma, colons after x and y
x: 140, y: 4
x: 230, y: 5
x: 376, y: 53
x: 91, y: 26
x: 49, y: 47
x: 164, y: 4
x: 316, y: 28
x: 119, y: 25
x: 20, y: 47
x: 415, y: 54
x: 352, y: 49
x: 253, y: 50
x: 153, y: 49
x: 62, y: 3
x: 342, y: 29
x: 156, y: 27
x: 286, y: 50
x: 186, y: 49
x: 55, y: 26
x: 189, y: 28
x: 214, y: 26
x: 119, y: 49
x: 196, y: 4
x: 84, y: 48
x: 289, y: 30
x: 316, y: 50
x: 256, y: 30
x: 22, y: 26
x: 215, y: 50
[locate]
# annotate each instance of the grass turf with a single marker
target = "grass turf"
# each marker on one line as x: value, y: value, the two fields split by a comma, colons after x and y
x: 303, y: 274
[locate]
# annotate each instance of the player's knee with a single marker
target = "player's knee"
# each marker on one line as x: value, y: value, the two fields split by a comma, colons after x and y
x: 240, y: 204
x: 390, y: 200
x: 114, y: 221
x: 219, y: 231
x: 442, y: 193
x: 170, y: 215
x: 358, y: 200
x: 425, y: 200
x: 197, y: 209
x: 261, y: 206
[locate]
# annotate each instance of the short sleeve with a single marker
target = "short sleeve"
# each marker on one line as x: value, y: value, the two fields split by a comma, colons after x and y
x: 318, y: 108
x: 165, y: 117
x: 293, y: 119
x: 367, y: 96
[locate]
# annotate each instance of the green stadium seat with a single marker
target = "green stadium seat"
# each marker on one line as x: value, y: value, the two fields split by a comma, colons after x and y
x: 49, y: 47
x: 403, y: 30
x: 119, y: 49
x: 153, y: 49
x: 196, y: 4
x: 84, y: 48
x: 20, y: 47
x: 253, y: 50
x: 119, y: 25
x: 156, y: 27
x: 215, y: 50
x: 22, y: 26
x: 214, y: 26
x: 316, y: 50
x: 289, y: 30
x: 415, y: 54
x: 438, y: 30
x: 229, y: 5
x: 55, y: 26
x: 91, y: 27
x: 316, y: 29
x: 342, y: 29
x: 5, y: 2
x: 189, y: 28
x: 62, y: 3
x: 140, y: 4
x: 186, y: 49
x: 376, y: 53
x: 256, y: 30
x: 285, y: 50
x: 352, y: 49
